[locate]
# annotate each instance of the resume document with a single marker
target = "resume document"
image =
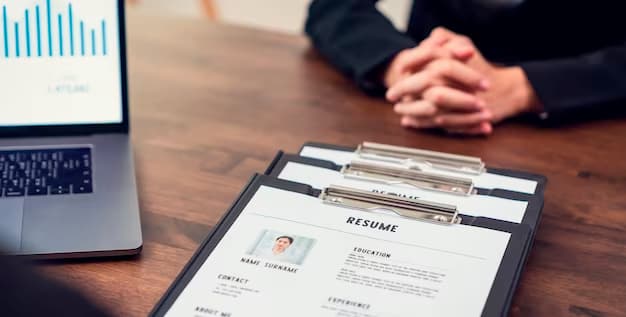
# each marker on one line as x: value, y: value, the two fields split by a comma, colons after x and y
x: 289, y: 254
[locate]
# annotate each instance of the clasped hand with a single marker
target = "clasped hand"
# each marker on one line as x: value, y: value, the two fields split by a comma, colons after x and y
x: 445, y: 82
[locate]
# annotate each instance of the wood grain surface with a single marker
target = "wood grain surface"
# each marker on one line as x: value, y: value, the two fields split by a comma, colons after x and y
x: 211, y: 104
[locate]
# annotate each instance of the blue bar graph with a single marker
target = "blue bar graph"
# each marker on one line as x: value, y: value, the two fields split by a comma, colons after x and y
x: 104, y: 37
x: 71, y: 24
x: 93, y: 42
x: 60, y: 18
x: 27, y: 19
x: 49, y: 28
x: 38, y: 31
x: 31, y: 35
x: 82, y: 38
x: 6, y: 32
x: 17, y: 40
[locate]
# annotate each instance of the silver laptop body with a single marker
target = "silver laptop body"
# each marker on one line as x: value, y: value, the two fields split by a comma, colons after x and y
x: 67, y: 182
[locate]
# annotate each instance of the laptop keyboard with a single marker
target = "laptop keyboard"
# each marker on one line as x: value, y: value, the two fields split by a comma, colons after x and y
x: 45, y: 172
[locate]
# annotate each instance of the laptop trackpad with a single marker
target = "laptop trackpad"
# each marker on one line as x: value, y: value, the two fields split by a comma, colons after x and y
x: 11, y: 214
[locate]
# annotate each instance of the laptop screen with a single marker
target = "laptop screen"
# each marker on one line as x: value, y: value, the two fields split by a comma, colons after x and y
x: 60, y: 63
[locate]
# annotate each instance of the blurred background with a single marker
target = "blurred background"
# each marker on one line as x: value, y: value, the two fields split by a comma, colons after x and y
x: 277, y: 15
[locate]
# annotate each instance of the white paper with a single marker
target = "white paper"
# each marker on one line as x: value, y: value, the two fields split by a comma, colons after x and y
x: 484, y: 180
x: 336, y: 268
x: 474, y: 205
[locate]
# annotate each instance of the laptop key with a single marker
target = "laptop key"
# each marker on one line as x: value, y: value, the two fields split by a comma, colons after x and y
x: 59, y: 190
x: 37, y: 191
x: 82, y: 188
x: 45, y: 172
x: 13, y: 192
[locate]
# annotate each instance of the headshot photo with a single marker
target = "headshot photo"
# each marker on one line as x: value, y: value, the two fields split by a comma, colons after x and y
x: 278, y: 246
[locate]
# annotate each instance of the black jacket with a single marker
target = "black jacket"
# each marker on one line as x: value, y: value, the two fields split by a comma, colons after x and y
x: 573, y: 52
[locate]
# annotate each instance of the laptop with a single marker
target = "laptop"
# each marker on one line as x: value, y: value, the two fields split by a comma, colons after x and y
x: 67, y: 182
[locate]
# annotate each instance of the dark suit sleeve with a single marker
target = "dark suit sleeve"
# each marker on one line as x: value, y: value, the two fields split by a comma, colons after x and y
x: 596, y: 79
x: 356, y: 38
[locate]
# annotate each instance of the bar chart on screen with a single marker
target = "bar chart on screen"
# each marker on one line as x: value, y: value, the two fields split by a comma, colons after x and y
x: 60, y: 62
x: 52, y: 28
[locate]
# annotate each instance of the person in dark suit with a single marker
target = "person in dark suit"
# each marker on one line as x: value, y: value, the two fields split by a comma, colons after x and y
x: 464, y: 65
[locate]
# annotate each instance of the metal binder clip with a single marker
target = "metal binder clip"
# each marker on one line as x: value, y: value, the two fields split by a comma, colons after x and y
x: 411, y: 157
x: 409, y: 208
x: 394, y: 175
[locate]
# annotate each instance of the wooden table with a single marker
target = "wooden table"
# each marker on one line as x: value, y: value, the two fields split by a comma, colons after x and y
x: 212, y: 104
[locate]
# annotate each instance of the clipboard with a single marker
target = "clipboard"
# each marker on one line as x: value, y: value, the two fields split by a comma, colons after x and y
x: 532, y: 214
x: 471, y: 167
x: 499, y: 297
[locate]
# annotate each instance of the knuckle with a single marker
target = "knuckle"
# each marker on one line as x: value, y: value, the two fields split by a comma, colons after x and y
x: 464, y: 39
x: 434, y: 95
x: 400, y: 60
x: 441, y: 31
x: 438, y: 96
x: 434, y: 68
x: 408, y: 121
x: 430, y: 110
x: 430, y: 52
x: 404, y: 54
x: 439, y: 52
x: 428, y: 74
x: 423, y: 55
x: 444, y: 67
x: 438, y: 31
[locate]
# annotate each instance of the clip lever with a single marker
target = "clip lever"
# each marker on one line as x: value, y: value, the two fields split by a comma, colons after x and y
x: 394, y: 175
x: 409, y: 208
x: 411, y: 158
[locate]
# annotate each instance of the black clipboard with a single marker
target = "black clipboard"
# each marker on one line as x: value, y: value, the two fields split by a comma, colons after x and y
x: 532, y: 215
x: 540, y: 179
x: 499, y: 298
